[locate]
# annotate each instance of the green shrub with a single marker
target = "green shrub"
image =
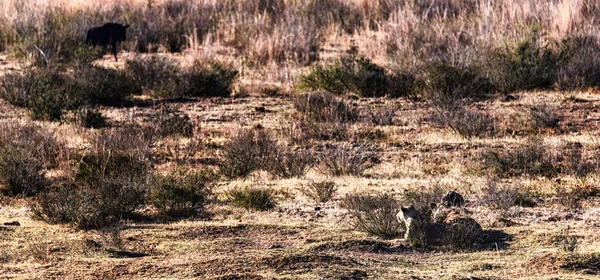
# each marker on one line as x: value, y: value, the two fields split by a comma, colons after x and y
x: 349, y: 74
x: 526, y: 65
x: 21, y: 173
x: 374, y: 214
x: 320, y: 191
x: 181, y: 194
x: 444, y: 84
x: 251, y: 198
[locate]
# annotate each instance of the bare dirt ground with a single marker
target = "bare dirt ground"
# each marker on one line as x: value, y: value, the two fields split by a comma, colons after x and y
x: 296, y: 240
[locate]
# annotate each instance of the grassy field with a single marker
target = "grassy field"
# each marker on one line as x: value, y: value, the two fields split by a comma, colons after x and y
x: 278, y: 139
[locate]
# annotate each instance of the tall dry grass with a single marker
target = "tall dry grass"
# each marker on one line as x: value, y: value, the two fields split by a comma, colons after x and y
x: 269, y: 34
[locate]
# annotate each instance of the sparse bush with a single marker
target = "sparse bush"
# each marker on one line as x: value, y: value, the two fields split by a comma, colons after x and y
x: 181, y: 194
x: 544, y: 116
x: 580, y: 63
x: 344, y: 160
x: 21, y: 173
x: 170, y: 121
x: 382, y: 115
x: 498, y: 196
x: 157, y: 74
x: 246, y: 152
x: 349, y: 74
x: 320, y: 191
x: 251, y: 198
x: 531, y: 158
x: 165, y: 78
x: 325, y: 108
x: 39, y: 142
x: 467, y: 123
x: 110, y: 183
x: 421, y: 197
x: 287, y: 163
x: 49, y: 92
x: 374, y: 214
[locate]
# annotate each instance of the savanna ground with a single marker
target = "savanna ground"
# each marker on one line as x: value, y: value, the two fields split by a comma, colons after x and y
x: 277, y: 139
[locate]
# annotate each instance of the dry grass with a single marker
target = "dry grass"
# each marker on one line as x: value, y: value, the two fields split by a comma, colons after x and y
x: 301, y: 160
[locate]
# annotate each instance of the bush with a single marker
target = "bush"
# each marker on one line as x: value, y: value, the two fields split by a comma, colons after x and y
x: 526, y: 65
x: 181, y: 193
x: 165, y: 78
x: 343, y: 160
x: 91, y: 118
x: 324, y: 107
x: 251, y: 198
x: 246, y: 152
x: 321, y: 191
x: 210, y: 79
x: 374, y: 214
x: 467, y: 123
x: 349, y: 74
x: 21, y: 173
x: 110, y: 183
x: 286, y: 163
x: 170, y: 121
x: 158, y: 75
x: 531, y: 158
x: 580, y: 63
x: 41, y: 144
x: 444, y: 84
x: 500, y: 197
x: 544, y: 116
x: 49, y: 92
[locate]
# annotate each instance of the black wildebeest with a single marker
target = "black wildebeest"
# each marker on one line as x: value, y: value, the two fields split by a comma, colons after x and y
x: 108, y: 34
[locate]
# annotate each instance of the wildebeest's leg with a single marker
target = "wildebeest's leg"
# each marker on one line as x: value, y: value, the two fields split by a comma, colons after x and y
x: 114, y: 50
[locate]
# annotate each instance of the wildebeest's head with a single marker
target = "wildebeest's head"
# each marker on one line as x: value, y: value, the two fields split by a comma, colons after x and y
x: 108, y: 34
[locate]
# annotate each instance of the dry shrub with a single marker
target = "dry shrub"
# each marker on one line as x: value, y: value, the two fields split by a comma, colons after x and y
x: 374, y: 214
x: 321, y: 107
x: 170, y: 121
x: 39, y: 142
x: 421, y: 197
x: 345, y: 160
x: 381, y: 115
x: 500, y: 196
x: 91, y: 118
x: 531, y: 158
x: 320, y: 191
x: 251, y: 198
x: 287, y: 163
x: 249, y: 150
x: 21, y: 173
x: 467, y: 123
x: 434, y: 164
x: 544, y: 116
x: 111, y: 182
x: 181, y: 193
